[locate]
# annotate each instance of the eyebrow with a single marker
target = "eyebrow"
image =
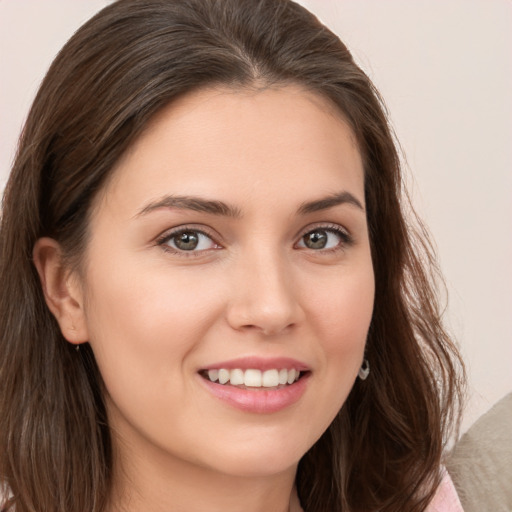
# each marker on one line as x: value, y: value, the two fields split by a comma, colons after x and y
x: 194, y: 203
x: 220, y: 208
x: 329, y: 202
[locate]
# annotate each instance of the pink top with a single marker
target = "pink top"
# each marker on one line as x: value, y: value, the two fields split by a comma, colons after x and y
x: 446, y: 498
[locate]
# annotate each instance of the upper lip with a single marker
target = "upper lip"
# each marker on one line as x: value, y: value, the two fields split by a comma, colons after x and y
x: 259, y: 363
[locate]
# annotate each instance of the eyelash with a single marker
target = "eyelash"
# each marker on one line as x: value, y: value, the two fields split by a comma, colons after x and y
x: 346, y: 239
x: 163, y: 240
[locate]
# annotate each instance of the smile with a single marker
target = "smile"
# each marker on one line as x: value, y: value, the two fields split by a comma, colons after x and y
x: 253, y: 378
x: 257, y: 385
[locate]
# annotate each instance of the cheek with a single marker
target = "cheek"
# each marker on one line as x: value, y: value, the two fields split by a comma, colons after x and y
x: 343, y: 312
x: 144, y: 331
x: 144, y: 325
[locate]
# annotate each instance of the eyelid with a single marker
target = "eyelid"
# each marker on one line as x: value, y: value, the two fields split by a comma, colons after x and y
x: 162, y: 239
x: 344, y: 233
x: 333, y: 226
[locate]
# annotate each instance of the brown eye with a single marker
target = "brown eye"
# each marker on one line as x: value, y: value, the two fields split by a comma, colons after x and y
x: 186, y: 241
x: 316, y: 239
x: 325, y: 238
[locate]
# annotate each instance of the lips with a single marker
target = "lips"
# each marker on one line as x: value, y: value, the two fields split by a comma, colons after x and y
x: 257, y: 385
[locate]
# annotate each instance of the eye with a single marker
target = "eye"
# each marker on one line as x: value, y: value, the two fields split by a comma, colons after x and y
x: 324, y: 238
x: 188, y: 240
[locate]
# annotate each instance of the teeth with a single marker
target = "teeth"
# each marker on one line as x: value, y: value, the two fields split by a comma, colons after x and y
x: 236, y: 377
x: 291, y: 375
x: 270, y: 378
x: 253, y: 378
x: 223, y: 376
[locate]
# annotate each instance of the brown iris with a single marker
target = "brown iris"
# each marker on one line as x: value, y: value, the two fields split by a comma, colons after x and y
x: 315, y: 239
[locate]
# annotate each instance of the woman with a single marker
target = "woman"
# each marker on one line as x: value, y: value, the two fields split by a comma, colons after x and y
x: 203, y: 248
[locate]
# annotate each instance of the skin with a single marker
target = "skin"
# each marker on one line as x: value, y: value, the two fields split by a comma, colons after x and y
x: 155, y: 315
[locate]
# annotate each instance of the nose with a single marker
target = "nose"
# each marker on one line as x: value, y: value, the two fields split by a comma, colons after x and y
x: 264, y: 296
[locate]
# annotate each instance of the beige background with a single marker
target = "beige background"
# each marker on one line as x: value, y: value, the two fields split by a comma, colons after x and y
x: 444, y: 68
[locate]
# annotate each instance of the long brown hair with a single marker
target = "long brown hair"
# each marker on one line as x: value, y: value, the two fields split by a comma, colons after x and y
x: 383, y: 451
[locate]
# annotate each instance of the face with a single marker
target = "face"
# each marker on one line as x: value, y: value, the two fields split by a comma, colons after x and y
x: 228, y: 284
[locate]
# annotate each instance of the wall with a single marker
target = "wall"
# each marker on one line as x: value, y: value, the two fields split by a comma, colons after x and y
x: 445, y: 70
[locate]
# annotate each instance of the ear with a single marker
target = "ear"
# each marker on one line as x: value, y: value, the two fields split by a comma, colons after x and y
x: 62, y: 290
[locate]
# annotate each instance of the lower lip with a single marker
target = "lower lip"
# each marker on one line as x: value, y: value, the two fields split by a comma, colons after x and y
x: 259, y: 400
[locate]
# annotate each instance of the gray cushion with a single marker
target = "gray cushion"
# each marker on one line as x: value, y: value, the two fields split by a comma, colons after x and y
x: 481, y: 462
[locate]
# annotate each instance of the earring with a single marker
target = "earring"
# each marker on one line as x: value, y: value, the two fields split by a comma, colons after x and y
x: 364, y: 371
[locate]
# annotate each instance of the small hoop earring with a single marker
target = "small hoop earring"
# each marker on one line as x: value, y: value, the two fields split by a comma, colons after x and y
x: 364, y: 371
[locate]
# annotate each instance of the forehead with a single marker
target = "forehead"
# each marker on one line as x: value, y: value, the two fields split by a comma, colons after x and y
x: 222, y: 142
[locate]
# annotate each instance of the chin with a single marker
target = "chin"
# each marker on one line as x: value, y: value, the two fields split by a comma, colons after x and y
x: 262, y: 459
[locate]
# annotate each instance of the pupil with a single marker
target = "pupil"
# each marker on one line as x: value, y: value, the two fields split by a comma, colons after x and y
x: 187, y: 241
x: 316, y: 240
